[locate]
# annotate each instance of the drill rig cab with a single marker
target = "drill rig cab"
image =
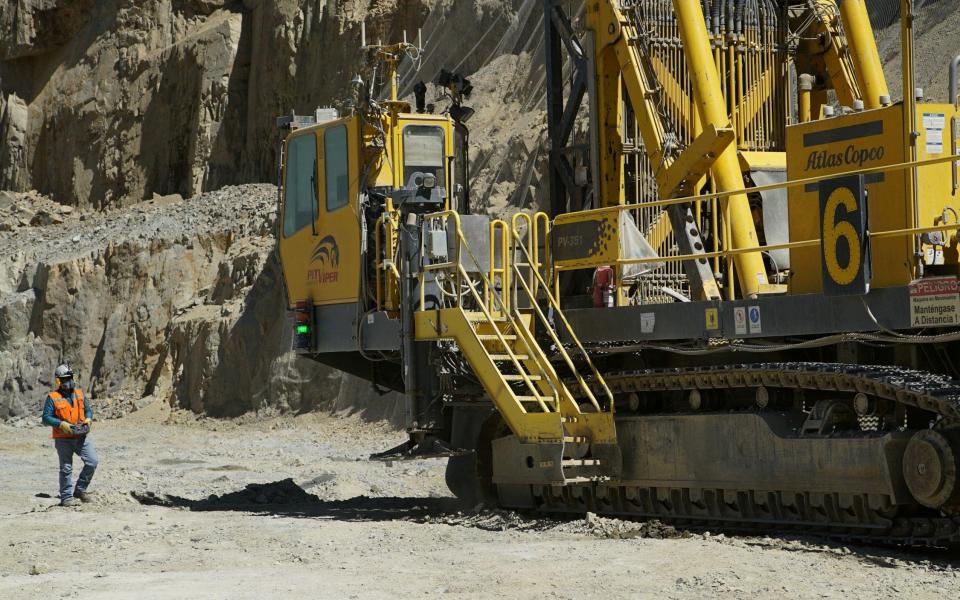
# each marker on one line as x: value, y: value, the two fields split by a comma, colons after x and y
x: 340, y: 173
x: 352, y: 192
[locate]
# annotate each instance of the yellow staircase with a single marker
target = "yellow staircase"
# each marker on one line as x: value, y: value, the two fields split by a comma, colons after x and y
x: 492, y: 317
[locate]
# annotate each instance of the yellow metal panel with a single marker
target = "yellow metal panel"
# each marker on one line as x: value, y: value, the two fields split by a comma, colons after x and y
x: 763, y: 161
x: 840, y: 145
x: 582, y: 240
x: 693, y: 163
x: 936, y: 182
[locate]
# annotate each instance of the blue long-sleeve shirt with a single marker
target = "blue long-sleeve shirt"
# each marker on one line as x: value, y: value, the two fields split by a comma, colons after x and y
x: 52, y: 421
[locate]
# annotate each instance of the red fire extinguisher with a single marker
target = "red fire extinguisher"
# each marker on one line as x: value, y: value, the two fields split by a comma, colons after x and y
x: 603, y: 288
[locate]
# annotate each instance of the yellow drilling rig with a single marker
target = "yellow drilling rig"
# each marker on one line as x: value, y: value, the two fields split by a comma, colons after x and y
x: 740, y: 310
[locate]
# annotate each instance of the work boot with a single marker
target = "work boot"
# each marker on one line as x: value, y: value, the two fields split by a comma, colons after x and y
x: 70, y: 502
x: 84, y: 497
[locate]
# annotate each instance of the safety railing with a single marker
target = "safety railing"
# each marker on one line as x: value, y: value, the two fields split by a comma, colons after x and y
x: 729, y: 253
x: 494, y: 299
x: 530, y: 257
x: 537, y: 229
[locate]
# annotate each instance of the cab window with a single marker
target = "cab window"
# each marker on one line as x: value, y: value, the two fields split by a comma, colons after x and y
x: 423, y: 151
x: 300, y: 187
x: 336, y: 168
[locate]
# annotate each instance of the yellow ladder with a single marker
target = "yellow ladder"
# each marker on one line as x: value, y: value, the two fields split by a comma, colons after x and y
x: 497, y: 338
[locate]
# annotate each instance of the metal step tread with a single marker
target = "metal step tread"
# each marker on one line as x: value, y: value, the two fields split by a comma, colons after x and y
x: 496, y: 357
x: 492, y: 337
x: 545, y: 399
x: 520, y: 377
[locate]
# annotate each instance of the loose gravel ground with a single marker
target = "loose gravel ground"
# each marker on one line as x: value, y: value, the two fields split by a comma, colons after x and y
x: 190, y: 508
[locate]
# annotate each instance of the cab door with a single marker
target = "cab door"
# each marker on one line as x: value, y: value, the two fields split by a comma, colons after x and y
x: 334, y: 273
x: 320, y: 226
x: 300, y: 213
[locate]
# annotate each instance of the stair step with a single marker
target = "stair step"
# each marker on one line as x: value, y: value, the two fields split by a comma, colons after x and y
x: 492, y: 337
x: 520, y: 377
x: 575, y: 439
x: 580, y: 462
x: 537, y: 399
x: 507, y: 356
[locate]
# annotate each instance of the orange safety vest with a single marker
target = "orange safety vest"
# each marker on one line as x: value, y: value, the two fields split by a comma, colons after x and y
x: 67, y: 411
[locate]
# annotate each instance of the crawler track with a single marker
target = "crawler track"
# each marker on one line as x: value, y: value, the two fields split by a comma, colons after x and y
x: 839, y: 515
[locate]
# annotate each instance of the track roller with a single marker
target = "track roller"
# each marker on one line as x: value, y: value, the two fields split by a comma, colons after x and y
x: 931, y: 466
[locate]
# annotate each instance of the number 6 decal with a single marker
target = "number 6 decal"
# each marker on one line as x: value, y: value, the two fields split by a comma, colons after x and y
x: 845, y: 247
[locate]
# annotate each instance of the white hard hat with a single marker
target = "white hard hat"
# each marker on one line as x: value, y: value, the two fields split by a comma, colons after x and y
x: 63, y: 372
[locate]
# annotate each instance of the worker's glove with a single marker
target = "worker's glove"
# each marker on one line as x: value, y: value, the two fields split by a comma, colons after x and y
x: 88, y: 422
x: 66, y: 428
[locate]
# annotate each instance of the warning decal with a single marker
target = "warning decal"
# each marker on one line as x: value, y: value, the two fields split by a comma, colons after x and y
x: 647, y: 322
x: 753, y: 313
x: 935, y: 302
x: 934, y: 124
x: 713, y: 319
x: 740, y: 320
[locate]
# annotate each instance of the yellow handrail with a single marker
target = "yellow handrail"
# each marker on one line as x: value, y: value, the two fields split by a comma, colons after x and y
x: 504, y: 269
x: 558, y: 311
x: 772, y: 247
x: 503, y: 342
x: 775, y: 186
x: 497, y: 297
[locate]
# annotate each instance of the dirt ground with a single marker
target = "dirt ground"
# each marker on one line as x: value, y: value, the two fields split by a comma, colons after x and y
x: 174, y: 518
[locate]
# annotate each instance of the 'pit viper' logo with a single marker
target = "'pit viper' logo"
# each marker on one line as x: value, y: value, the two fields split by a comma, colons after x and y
x: 327, y: 254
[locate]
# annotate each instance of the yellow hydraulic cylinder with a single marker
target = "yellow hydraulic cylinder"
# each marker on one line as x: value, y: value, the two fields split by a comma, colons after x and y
x: 863, y: 52
x: 708, y: 96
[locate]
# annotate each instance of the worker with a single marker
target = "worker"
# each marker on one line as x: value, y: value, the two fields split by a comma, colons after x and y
x: 67, y: 412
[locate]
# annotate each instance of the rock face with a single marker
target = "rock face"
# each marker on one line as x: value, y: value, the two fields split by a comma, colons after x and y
x: 14, y: 119
x: 108, y: 102
x: 33, y: 27
x: 111, y: 101
x: 172, y: 299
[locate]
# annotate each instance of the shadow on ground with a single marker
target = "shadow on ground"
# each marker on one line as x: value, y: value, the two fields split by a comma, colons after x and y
x: 286, y: 498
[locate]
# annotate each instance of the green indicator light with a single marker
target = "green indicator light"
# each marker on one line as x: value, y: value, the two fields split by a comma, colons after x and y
x: 303, y: 329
